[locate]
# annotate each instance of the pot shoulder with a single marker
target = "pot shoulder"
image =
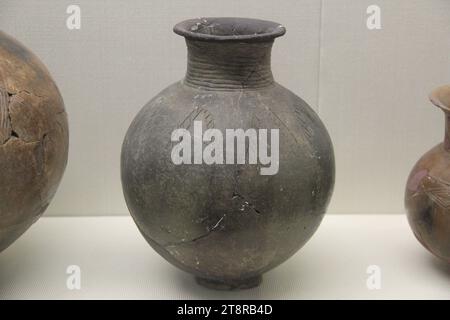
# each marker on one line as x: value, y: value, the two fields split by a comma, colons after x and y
x: 180, y: 105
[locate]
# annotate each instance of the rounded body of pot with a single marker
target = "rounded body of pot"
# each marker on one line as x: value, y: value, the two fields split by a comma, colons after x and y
x: 33, y: 139
x: 227, y: 222
x: 427, y: 197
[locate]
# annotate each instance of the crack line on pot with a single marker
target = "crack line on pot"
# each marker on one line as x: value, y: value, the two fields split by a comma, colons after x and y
x: 5, y: 118
x: 246, y: 203
x: 214, y: 228
x: 7, y: 127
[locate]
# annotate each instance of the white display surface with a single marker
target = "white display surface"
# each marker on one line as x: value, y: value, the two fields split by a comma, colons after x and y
x: 117, y: 263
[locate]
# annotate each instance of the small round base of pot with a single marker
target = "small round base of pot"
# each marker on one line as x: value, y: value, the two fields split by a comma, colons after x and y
x: 228, y: 285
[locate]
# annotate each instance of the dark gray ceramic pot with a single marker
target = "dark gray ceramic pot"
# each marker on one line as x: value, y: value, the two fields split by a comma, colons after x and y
x: 227, y: 224
x: 33, y: 139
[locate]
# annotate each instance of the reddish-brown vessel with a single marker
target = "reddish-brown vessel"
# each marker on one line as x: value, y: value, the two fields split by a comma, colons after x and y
x: 427, y: 196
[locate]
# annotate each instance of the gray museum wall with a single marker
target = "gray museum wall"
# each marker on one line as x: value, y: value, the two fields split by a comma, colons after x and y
x: 374, y: 88
x: 369, y: 87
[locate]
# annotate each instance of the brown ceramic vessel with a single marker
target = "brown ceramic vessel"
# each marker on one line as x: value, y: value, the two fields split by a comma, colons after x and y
x: 428, y: 190
x: 33, y: 139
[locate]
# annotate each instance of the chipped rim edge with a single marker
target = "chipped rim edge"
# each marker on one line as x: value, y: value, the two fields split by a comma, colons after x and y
x: 183, y: 29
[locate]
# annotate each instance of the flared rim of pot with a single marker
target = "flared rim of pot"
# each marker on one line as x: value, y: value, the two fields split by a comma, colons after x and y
x: 229, y: 29
x: 440, y: 97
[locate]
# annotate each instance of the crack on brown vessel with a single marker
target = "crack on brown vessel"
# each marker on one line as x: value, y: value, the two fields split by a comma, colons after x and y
x: 7, y: 126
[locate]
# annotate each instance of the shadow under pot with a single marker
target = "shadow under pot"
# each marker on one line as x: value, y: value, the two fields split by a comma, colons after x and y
x: 33, y: 139
x: 427, y: 196
x: 226, y: 173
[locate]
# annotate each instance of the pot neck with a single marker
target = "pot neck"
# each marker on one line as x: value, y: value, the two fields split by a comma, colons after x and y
x: 447, y: 131
x: 229, y: 66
